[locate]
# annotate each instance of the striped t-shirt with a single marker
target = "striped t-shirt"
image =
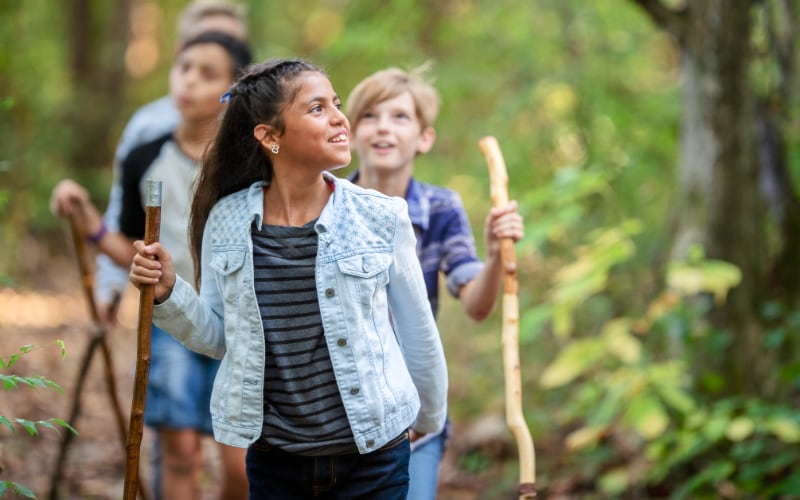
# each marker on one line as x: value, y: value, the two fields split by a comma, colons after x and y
x: 303, y: 411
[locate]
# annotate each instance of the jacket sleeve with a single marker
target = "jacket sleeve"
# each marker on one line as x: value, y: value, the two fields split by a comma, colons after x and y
x: 416, y: 328
x: 195, y: 320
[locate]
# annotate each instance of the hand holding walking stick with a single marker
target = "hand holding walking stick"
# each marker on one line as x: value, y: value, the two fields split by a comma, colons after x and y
x: 514, y: 416
x: 136, y: 426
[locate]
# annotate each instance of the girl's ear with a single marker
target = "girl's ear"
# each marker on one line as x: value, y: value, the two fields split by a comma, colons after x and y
x: 265, y: 134
x: 426, y: 140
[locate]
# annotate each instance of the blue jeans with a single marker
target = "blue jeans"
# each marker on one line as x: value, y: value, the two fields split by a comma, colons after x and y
x: 179, y: 385
x: 178, y: 392
x: 277, y: 475
x: 424, y: 468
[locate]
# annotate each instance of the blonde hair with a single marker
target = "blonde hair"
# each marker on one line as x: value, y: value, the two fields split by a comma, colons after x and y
x: 199, y: 10
x: 390, y: 83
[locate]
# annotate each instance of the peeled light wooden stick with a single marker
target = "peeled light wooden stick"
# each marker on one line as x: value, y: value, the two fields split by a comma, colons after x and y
x: 514, y: 417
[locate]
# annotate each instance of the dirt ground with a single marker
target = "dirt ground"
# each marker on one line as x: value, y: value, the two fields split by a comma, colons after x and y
x: 95, y: 462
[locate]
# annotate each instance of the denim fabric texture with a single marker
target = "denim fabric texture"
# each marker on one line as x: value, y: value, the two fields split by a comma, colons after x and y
x: 423, y: 468
x: 390, y: 368
x: 179, y: 385
x: 381, y: 474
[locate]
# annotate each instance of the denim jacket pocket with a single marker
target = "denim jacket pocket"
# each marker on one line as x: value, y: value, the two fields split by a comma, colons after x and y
x: 365, y: 274
x: 227, y: 259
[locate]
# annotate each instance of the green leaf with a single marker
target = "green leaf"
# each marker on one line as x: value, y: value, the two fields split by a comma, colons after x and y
x: 5, y: 421
x: 615, y: 481
x: 28, y: 425
x: 571, y: 362
x: 715, y: 427
x: 48, y: 425
x: 713, y: 473
x: 22, y: 490
x: 620, y: 342
x: 647, y: 416
x: 12, y: 360
x: 9, y: 381
x: 53, y: 385
x: 584, y: 437
x: 786, y: 429
x: 64, y: 424
x: 714, y: 276
x: 63, y: 348
x: 740, y: 428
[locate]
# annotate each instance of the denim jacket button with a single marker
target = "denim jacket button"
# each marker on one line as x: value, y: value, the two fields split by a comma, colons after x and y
x: 329, y: 292
x: 354, y: 391
x: 370, y: 443
x: 366, y: 267
x: 342, y: 342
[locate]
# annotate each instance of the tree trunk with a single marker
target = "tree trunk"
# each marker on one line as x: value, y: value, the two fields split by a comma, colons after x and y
x: 719, y: 196
x: 98, y: 36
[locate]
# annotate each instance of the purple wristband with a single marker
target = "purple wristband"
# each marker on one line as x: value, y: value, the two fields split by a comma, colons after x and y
x: 96, y: 237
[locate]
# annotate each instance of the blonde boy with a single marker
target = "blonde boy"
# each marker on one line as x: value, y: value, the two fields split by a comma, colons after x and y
x: 391, y: 114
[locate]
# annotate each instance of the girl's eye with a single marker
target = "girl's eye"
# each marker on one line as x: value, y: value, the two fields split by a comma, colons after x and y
x: 317, y: 108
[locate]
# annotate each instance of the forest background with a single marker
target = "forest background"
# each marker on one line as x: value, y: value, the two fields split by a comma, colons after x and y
x: 652, y: 146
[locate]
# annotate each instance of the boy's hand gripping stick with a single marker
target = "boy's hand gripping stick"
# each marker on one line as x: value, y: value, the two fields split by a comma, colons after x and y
x: 514, y: 416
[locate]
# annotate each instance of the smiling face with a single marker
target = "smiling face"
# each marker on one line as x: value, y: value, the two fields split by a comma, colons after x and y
x: 388, y: 135
x: 316, y: 132
x: 200, y: 75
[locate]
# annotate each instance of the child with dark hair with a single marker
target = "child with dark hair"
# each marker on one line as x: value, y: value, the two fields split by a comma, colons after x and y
x: 310, y: 292
x: 180, y: 381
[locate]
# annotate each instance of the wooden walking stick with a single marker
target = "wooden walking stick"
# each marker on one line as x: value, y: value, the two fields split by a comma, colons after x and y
x: 97, y: 340
x: 152, y: 229
x: 514, y: 416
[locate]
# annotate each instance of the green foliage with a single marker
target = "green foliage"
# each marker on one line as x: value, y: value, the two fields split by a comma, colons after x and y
x: 18, y: 489
x: 31, y: 427
x: 630, y: 393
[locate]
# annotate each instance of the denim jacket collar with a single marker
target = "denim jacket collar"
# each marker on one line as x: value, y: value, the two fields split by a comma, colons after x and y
x: 419, y: 205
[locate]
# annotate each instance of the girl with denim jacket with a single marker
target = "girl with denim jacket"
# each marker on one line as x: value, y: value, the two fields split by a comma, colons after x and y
x: 311, y: 294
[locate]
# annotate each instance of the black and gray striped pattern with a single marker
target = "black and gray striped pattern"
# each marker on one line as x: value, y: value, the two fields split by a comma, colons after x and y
x: 303, y: 411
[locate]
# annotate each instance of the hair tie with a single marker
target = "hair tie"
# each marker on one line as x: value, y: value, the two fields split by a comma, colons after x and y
x: 225, y: 97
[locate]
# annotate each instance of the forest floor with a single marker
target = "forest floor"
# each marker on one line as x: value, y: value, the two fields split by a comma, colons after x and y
x: 95, y: 461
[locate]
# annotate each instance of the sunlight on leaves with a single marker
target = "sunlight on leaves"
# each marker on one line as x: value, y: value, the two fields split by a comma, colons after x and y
x: 620, y: 342
x: 584, y: 437
x: 740, y: 428
x: 647, y: 416
x: 614, y: 481
x: 693, y: 277
x: 574, y: 360
x: 785, y: 429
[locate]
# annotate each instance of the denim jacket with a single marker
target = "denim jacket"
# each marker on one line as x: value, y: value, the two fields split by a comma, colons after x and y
x: 389, y: 366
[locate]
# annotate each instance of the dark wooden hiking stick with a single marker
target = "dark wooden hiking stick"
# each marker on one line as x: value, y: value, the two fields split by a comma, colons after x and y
x: 514, y: 416
x: 97, y: 340
x: 152, y: 230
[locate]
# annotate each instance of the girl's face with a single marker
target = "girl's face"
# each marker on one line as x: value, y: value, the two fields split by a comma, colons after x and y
x: 199, y: 76
x: 389, y: 135
x: 316, y: 132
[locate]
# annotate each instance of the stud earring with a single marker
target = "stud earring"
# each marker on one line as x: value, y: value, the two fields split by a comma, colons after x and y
x: 275, y: 149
